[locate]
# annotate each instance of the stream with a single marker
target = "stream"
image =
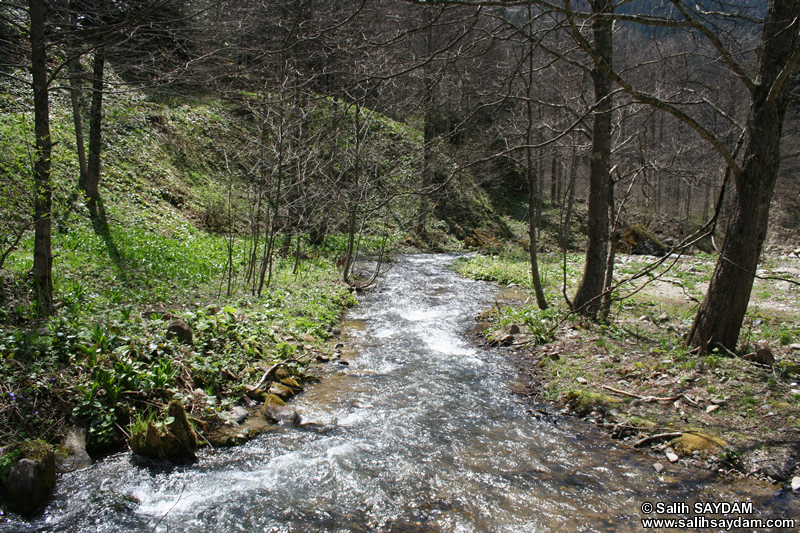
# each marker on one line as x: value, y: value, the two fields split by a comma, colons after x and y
x: 418, y: 433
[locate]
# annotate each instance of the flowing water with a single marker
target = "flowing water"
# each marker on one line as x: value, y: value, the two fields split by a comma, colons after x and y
x: 418, y: 433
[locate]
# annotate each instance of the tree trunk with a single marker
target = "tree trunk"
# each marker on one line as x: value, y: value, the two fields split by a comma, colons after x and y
x: 74, y: 93
x: 722, y: 311
x: 563, y: 238
x: 533, y: 191
x: 587, y: 297
x: 42, y: 252
x: 95, y: 134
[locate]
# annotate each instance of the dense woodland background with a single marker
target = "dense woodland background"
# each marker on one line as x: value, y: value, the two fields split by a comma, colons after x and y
x: 292, y: 128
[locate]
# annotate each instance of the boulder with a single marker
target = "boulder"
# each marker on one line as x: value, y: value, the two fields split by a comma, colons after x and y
x: 276, y: 410
x: 30, y: 479
x: 180, y: 330
x: 74, y: 446
x: 639, y: 240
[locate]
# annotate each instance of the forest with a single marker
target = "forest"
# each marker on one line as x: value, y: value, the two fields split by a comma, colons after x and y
x: 194, y: 190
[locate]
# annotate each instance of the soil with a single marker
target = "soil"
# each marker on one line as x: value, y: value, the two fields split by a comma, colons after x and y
x: 632, y: 379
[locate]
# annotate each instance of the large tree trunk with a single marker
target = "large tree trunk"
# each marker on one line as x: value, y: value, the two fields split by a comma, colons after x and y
x: 587, y: 297
x: 42, y: 253
x: 721, y: 314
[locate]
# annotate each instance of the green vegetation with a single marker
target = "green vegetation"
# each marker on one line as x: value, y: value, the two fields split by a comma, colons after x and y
x: 105, y: 359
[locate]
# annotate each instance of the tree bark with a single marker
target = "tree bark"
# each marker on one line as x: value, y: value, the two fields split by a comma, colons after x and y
x: 722, y: 311
x: 74, y: 93
x: 95, y: 133
x: 587, y: 297
x: 534, y: 182
x: 42, y: 252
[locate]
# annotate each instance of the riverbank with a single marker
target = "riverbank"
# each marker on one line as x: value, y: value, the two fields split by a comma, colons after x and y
x: 130, y: 336
x: 632, y: 378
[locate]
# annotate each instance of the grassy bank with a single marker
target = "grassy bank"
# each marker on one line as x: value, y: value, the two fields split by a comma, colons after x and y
x: 633, y: 377
x: 106, y: 359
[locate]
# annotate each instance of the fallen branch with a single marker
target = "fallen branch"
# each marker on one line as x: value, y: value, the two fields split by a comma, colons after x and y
x: 270, y: 373
x: 650, y: 399
x: 661, y: 436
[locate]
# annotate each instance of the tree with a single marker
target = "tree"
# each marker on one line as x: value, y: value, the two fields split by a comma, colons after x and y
x: 720, y: 317
x: 587, y: 297
x: 43, y: 202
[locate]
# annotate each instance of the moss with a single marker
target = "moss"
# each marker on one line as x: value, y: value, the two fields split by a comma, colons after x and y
x: 691, y: 441
x: 271, y: 399
x: 291, y: 383
x: 583, y: 402
x: 8, y: 458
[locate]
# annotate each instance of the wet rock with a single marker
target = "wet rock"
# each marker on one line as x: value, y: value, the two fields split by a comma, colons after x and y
x: 238, y: 414
x: 276, y: 410
x: 180, y: 330
x: 76, y: 458
x: 31, y: 479
x: 658, y: 467
x: 796, y: 484
x: 281, y: 391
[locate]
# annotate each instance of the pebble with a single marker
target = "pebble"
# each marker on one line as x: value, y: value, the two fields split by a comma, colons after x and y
x: 672, y: 457
x: 796, y: 483
x: 581, y: 380
x: 658, y: 467
x: 711, y: 408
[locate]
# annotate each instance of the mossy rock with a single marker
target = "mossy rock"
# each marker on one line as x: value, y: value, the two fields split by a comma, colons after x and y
x: 637, y: 239
x: 292, y: 384
x: 29, y: 476
x: 583, y: 402
x: 689, y: 442
x: 282, y: 391
x: 281, y: 373
x: 271, y: 399
x: 176, y: 442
